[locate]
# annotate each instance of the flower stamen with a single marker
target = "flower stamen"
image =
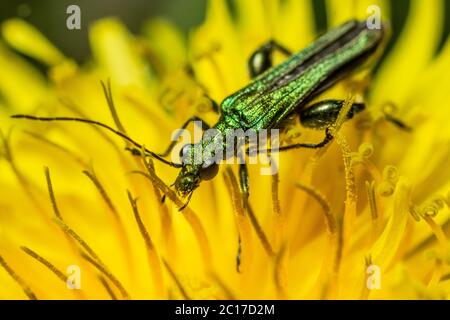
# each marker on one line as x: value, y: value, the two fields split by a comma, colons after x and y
x: 112, y: 108
x: 166, y: 219
x: 24, y: 183
x: 107, y: 287
x: 57, y: 146
x: 226, y: 290
x: 176, y: 280
x: 370, y: 188
x: 102, y: 268
x: 275, y: 194
x: 188, y: 213
x: 52, y: 194
x: 335, y: 238
x: 152, y: 254
x: 248, y: 209
x: 93, y: 258
x: 30, y: 294
x: 279, y: 272
x: 260, y: 232
x: 330, y: 219
x: 91, y: 175
x: 45, y: 262
x: 243, y: 224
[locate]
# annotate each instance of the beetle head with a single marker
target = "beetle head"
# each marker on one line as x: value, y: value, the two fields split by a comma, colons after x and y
x: 193, y: 172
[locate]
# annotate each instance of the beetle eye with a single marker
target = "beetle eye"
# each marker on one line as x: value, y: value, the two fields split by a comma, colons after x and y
x: 209, y: 172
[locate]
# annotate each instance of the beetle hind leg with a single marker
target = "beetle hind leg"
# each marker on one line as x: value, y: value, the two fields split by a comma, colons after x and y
x: 326, y: 140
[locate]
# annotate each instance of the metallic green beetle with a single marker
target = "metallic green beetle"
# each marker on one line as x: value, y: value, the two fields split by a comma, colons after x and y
x: 275, y: 94
x: 281, y: 91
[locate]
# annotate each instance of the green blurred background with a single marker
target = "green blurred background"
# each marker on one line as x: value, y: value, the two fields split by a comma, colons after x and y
x: 50, y: 17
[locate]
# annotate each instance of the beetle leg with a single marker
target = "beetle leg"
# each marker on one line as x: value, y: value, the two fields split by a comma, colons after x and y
x: 215, y: 106
x: 169, y: 149
x: 244, y: 188
x: 191, y: 73
x: 179, y: 132
x: 261, y: 59
x: 243, y: 181
x: 323, y: 143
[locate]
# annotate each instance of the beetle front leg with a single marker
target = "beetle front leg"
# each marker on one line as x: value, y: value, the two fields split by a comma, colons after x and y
x: 261, y: 59
x: 204, y: 126
x: 179, y: 132
x: 214, y: 105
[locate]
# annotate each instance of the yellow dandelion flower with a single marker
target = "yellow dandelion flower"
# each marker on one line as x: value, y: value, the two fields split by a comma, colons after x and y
x: 81, y: 218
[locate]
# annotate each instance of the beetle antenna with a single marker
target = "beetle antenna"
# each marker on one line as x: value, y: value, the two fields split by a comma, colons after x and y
x: 120, y: 134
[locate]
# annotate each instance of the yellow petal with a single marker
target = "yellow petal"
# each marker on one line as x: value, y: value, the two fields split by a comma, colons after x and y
x: 167, y: 41
x: 340, y: 11
x: 384, y: 250
x: 411, y: 54
x: 296, y: 27
x: 112, y: 46
x: 25, y: 38
x: 21, y: 86
x: 253, y: 22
